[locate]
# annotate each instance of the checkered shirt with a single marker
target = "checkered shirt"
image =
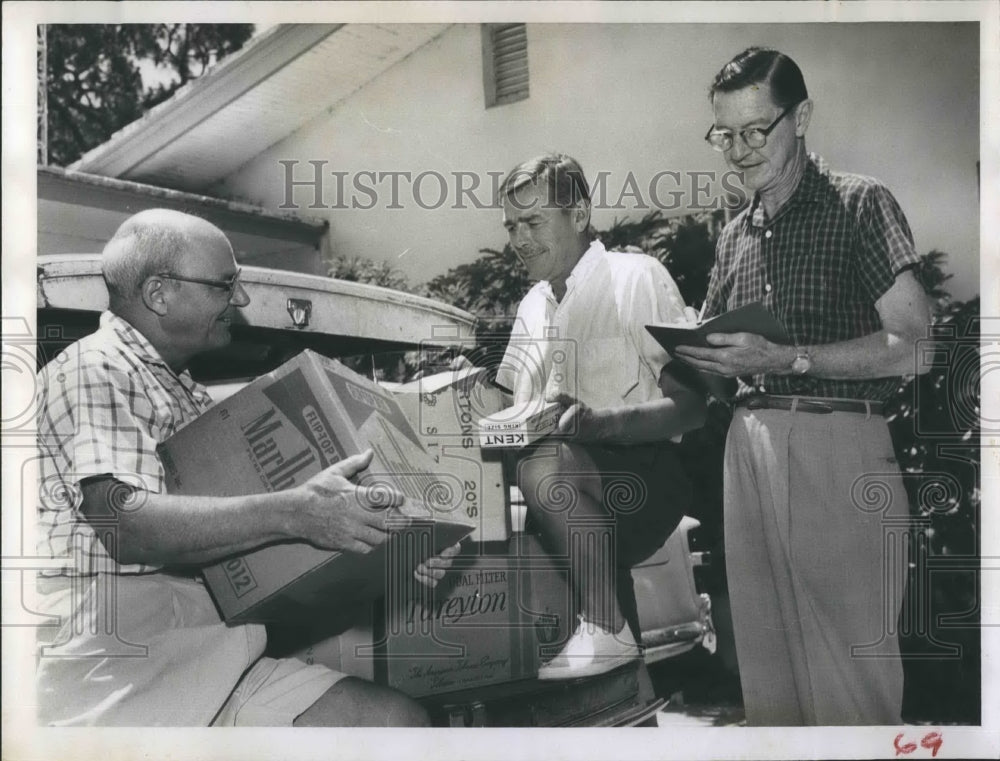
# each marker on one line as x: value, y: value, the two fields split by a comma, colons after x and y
x: 104, y: 404
x: 819, y: 266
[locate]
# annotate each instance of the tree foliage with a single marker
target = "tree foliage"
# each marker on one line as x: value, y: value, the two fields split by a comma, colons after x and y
x: 490, y: 287
x: 935, y: 425
x: 685, y: 245
x: 358, y: 269
x: 94, y: 84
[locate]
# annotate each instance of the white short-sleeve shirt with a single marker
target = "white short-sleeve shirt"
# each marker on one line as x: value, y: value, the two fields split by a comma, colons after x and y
x: 593, y: 344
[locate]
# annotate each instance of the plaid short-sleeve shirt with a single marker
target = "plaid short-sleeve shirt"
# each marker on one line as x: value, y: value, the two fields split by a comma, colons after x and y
x: 819, y: 266
x: 104, y: 404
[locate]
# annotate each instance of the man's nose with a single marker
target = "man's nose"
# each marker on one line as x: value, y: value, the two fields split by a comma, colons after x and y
x: 240, y: 297
x: 519, y: 236
x: 739, y: 148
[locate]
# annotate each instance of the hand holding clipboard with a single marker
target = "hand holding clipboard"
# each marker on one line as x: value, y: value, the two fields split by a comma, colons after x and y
x: 751, y: 318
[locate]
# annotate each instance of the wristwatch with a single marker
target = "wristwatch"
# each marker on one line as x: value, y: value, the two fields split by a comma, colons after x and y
x: 802, y: 362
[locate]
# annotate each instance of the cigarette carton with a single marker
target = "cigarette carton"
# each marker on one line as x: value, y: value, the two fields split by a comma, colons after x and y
x: 491, y: 620
x: 445, y: 410
x: 275, y: 434
x: 520, y: 425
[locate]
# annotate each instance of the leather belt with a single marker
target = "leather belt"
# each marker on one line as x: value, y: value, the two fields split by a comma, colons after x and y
x: 814, y: 405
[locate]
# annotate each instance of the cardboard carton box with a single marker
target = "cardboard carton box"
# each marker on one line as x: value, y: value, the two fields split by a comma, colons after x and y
x: 275, y: 434
x: 520, y: 425
x: 445, y: 410
x: 490, y: 621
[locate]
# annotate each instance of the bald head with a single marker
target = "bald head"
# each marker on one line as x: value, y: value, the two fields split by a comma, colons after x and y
x: 150, y: 242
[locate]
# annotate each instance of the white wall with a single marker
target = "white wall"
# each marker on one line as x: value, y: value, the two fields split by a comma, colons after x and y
x: 897, y: 101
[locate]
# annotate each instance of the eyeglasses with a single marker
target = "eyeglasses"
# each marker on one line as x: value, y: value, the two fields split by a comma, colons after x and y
x: 753, y: 137
x: 227, y: 285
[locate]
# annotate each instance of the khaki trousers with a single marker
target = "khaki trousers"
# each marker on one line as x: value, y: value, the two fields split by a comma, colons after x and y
x: 816, y: 557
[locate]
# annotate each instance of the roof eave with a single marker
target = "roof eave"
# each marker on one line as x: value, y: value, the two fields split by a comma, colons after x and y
x: 201, y: 98
x: 309, y: 229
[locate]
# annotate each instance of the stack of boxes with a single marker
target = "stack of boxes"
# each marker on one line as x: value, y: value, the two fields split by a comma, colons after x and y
x: 485, y: 623
x: 275, y: 434
x: 445, y: 410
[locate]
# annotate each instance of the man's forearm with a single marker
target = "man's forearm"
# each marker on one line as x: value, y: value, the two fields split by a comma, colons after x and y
x: 656, y: 420
x: 185, y: 532
x: 328, y: 511
x: 171, y: 530
x: 878, y: 355
x: 905, y: 312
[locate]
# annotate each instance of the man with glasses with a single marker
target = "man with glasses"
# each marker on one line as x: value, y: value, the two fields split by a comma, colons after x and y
x: 140, y: 641
x: 815, y: 591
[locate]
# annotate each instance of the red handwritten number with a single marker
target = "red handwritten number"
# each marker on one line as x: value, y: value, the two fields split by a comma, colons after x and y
x: 932, y: 741
x: 903, y: 749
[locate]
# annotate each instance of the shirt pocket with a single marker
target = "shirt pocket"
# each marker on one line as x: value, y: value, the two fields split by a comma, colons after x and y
x: 607, y: 371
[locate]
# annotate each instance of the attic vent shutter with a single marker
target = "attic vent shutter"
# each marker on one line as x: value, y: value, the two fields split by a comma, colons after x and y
x: 505, y: 63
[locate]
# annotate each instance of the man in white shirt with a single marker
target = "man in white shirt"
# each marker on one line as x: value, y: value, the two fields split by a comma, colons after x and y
x: 607, y: 489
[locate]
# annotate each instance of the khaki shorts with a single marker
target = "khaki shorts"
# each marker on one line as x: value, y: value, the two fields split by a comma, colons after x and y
x: 273, y: 693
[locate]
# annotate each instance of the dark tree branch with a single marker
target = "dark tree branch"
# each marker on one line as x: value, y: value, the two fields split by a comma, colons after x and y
x: 94, y: 86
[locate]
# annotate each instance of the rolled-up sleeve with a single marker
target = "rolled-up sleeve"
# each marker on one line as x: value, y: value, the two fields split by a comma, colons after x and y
x: 87, y: 427
x: 652, y: 296
x: 886, y: 245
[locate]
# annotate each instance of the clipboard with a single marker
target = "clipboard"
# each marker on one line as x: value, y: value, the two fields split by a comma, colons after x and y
x: 750, y: 318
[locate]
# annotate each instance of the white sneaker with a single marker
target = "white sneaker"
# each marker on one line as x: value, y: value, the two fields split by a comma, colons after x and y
x: 590, y: 651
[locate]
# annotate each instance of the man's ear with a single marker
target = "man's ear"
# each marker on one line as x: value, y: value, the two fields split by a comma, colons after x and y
x: 154, y: 294
x: 581, y: 215
x: 802, y: 116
